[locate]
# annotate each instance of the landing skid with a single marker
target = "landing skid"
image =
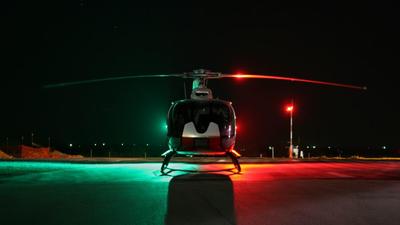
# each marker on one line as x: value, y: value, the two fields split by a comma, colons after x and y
x: 171, y: 153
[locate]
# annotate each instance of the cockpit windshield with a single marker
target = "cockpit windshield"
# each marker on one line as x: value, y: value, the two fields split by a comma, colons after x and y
x: 201, y: 113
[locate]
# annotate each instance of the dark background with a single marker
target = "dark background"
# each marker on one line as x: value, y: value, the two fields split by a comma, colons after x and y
x: 52, y: 42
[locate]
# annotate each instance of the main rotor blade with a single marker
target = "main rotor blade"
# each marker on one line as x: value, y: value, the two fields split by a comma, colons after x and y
x: 271, y: 77
x: 109, y: 79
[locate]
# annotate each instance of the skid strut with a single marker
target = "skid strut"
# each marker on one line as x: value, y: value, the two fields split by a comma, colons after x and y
x: 167, y: 157
x: 235, y: 161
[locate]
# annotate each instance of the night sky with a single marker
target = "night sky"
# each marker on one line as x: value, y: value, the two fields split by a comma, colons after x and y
x: 46, y: 43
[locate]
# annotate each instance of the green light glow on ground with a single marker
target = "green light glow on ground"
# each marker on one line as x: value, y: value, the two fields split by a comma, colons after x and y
x: 58, y: 172
x: 77, y: 193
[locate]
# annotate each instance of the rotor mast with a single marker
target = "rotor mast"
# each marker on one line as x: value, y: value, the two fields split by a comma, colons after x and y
x: 199, y: 85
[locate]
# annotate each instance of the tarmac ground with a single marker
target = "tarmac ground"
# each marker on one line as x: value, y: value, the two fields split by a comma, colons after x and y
x: 265, y: 192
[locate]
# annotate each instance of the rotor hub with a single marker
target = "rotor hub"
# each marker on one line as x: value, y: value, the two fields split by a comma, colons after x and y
x: 202, y: 73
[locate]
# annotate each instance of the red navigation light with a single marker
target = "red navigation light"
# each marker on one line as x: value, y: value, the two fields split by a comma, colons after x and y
x: 289, y: 108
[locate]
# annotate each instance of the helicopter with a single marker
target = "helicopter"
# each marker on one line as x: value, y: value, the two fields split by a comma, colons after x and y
x: 203, y: 125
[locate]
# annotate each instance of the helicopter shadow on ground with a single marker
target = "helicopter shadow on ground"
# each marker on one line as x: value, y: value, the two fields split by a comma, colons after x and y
x: 201, y: 198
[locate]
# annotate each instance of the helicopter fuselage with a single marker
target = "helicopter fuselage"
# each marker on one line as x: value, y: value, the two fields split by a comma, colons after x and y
x: 201, y: 127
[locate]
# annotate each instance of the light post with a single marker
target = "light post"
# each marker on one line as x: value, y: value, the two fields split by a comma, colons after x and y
x: 145, y: 151
x: 272, y: 151
x: 289, y: 109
